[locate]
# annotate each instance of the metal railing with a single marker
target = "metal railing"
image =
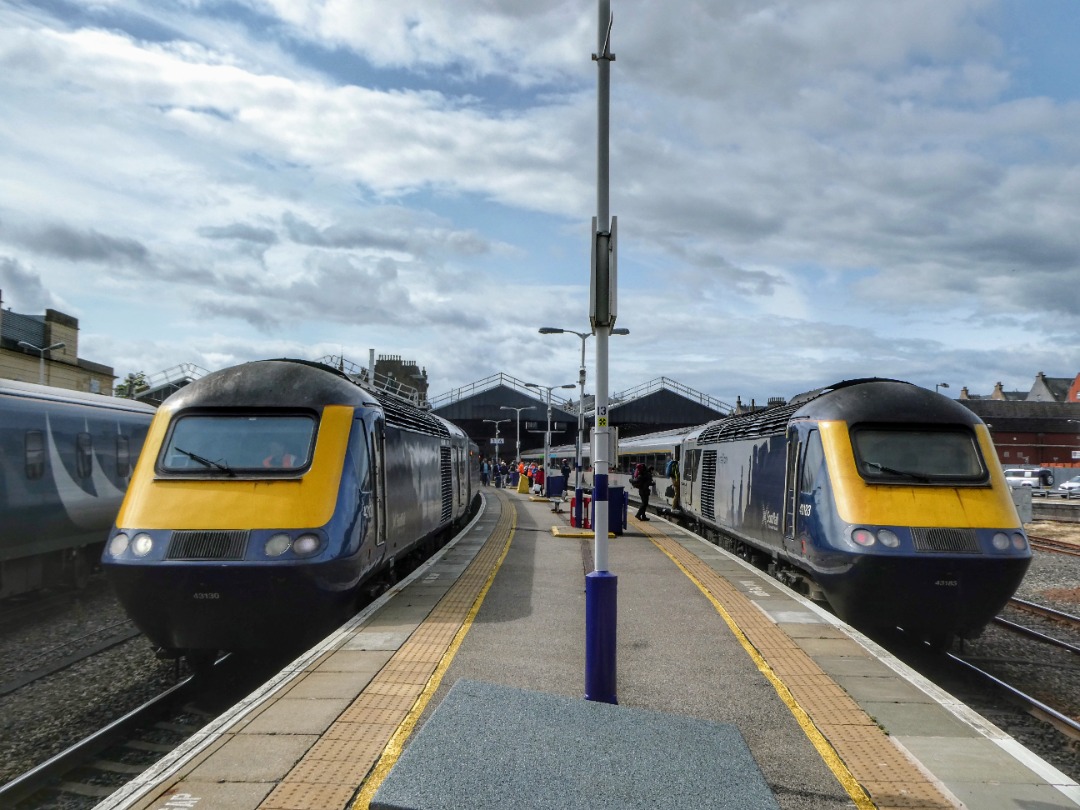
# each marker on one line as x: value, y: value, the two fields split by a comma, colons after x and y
x: 662, y: 383
x: 488, y: 383
x: 363, y: 377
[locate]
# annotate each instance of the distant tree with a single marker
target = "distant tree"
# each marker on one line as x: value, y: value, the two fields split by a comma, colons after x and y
x: 133, y: 383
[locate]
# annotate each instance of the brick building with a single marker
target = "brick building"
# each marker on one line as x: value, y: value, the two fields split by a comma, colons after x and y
x: 45, y: 349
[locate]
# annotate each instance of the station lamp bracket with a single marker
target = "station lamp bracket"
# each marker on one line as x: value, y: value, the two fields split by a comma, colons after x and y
x: 603, y: 278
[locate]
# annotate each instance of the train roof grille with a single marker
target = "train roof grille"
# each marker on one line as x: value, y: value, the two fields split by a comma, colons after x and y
x: 401, y: 414
x: 208, y: 545
x: 751, y: 425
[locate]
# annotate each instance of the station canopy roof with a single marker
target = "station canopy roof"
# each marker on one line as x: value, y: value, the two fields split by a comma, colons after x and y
x: 656, y: 405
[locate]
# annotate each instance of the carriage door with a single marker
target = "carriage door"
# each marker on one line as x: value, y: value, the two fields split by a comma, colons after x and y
x: 804, y: 480
x: 687, y: 475
x: 791, y: 488
x: 378, y: 457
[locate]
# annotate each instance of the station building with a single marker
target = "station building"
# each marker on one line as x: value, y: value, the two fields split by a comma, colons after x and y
x: 494, y: 411
x: 45, y: 350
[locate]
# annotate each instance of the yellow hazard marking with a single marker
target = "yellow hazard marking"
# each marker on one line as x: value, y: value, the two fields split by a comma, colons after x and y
x: 601, y: 421
x: 394, y: 748
x: 817, y: 739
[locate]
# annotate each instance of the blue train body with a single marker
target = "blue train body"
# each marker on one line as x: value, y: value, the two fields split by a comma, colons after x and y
x: 65, y: 462
x: 882, y: 498
x: 271, y: 498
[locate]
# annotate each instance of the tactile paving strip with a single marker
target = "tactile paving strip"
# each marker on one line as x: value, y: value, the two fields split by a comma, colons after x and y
x: 886, y: 778
x: 334, y: 769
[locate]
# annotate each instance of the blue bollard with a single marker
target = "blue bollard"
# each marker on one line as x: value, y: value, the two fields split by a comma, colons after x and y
x: 601, y: 610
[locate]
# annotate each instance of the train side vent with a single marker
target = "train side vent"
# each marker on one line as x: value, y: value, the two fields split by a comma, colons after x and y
x: 207, y: 545
x: 446, y: 478
x: 952, y: 541
x: 708, y: 484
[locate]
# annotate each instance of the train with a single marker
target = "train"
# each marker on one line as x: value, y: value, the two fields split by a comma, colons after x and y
x: 881, y: 498
x: 65, y: 460
x: 272, y: 499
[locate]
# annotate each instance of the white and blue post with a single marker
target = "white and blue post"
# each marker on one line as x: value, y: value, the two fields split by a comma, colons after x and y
x: 601, y: 586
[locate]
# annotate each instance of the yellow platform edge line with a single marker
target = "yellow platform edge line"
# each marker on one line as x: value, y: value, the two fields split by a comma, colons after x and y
x: 394, y: 748
x: 817, y: 739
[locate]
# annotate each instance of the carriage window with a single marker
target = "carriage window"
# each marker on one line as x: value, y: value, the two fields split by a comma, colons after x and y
x: 84, y: 455
x: 123, y: 456
x: 903, y: 456
x: 35, y: 454
x: 228, y: 443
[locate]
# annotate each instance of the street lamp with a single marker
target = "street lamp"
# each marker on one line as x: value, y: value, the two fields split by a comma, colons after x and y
x: 497, y: 422
x: 41, y: 356
x: 547, y: 433
x: 578, y: 492
x: 940, y: 385
x: 518, y: 419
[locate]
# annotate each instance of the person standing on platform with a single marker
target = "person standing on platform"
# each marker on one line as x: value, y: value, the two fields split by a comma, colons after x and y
x: 485, y: 472
x: 642, y: 481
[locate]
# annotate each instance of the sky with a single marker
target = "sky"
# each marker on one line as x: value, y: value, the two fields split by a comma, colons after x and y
x: 807, y: 191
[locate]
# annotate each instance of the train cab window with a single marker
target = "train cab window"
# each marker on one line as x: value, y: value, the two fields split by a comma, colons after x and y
x: 231, y: 443
x: 35, y: 454
x: 899, y: 455
x: 84, y: 455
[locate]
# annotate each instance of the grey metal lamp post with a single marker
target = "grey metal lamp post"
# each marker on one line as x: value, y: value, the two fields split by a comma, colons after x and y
x: 547, y: 433
x: 518, y: 420
x: 41, y: 355
x: 497, y: 422
x: 578, y: 490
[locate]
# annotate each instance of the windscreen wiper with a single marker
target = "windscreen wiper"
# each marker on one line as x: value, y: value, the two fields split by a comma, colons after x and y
x: 893, y: 471
x: 214, y: 465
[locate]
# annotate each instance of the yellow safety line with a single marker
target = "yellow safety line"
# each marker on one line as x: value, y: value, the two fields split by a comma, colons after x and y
x: 393, y: 749
x: 817, y: 739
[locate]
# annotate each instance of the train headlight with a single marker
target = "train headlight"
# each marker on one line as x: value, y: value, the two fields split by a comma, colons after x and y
x: 1019, y: 541
x: 1000, y: 541
x: 142, y: 544
x: 864, y: 537
x: 118, y: 545
x: 277, y: 545
x: 306, y: 545
x: 888, y: 538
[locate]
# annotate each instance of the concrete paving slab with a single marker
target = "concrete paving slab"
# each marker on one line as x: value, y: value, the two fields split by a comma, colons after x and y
x: 919, y: 720
x: 882, y: 690
x: 233, y: 795
x: 357, y: 660
x: 297, y: 716
x: 330, y: 685
x: 967, y: 760
x: 254, y: 758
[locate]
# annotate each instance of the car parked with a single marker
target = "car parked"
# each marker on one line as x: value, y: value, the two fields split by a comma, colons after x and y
x: 1034, y: 477
x: 1070, y: 488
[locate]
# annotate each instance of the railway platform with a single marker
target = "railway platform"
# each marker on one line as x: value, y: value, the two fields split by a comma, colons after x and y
x: 463, y: 687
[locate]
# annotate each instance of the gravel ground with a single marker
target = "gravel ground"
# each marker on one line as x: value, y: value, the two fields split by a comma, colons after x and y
x: 1049, y: 674
x: 46, y: 717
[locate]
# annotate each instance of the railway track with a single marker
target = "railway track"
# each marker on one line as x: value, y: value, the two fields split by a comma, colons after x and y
x: 1060, y: 546
x: 1057, y: 716
x: 104, y: 761
x: 96, y: 766
x: 65, y: 655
